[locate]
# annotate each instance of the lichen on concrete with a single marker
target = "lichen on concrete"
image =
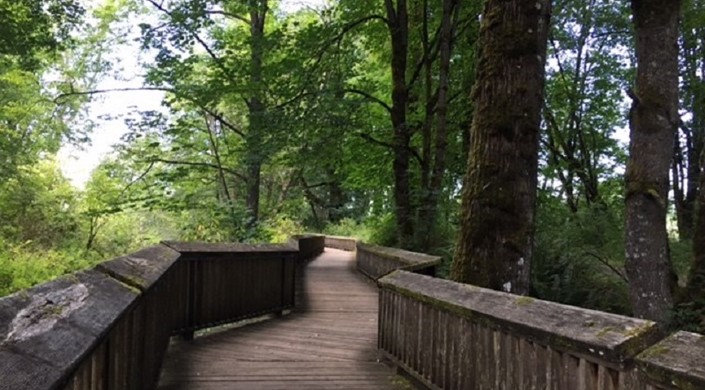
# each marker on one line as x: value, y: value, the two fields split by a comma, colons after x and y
x: 44, y: 311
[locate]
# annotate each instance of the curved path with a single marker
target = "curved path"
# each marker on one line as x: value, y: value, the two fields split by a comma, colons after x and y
x: 328, y: 342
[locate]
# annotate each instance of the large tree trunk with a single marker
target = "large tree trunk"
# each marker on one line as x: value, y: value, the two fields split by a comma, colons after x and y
x: 399, y: 31
x: 653, y: 122
x: 256, y: 108
x: 499, y: 197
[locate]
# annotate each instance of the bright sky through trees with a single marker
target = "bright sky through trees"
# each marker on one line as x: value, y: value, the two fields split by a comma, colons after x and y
x: 107, y: 110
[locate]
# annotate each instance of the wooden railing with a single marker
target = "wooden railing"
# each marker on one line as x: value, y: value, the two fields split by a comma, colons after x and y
x: 377, y: 261
x: 109, y: 327
x: 342, y: 243
x: 448, y: 335
x: 308, y: 245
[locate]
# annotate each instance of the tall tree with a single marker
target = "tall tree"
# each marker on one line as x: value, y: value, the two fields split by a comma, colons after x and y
x: 425, y: 92
x: 497, y: 213
x: 653, y: 123
x: 685, y: 170
x: 398, y: 23
x: 694, y: 293
x: 432, y: 181
x: 256, y: 106
x: 693, y: 49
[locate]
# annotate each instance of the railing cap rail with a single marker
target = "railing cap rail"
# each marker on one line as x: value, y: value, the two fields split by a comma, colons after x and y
x: 412, y: 259
x: 676, y: 362
x: 305, y: 235
x: 597, y: 336
x: 204, y: 247
x: 348, y: 238
x: 46, y: 331
x: 143, y: 268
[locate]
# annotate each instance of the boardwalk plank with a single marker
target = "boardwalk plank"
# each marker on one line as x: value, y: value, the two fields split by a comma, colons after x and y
x: 328, y: 342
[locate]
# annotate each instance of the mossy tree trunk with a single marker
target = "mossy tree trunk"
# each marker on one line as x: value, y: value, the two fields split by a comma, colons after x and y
x: 653, y: 122
x: 499, y: 197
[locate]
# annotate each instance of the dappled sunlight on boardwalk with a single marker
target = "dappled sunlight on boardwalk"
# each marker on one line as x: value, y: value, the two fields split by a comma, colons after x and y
x: 328, y: 342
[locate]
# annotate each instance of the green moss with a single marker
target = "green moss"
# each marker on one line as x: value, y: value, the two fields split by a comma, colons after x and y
x: 603, y: 332
x: 134, y: 281
x: 54, y: 310
x: 73, y: 278
x: 399, y: 383
x: 655, y: 351
x: 523, y: 301
x: 129, y: 286
x: 683, y: 385
x: 637, y: 331
x: 668, y: 379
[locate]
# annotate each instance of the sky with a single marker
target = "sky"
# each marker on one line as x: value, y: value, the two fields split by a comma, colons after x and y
x: 78, y: 163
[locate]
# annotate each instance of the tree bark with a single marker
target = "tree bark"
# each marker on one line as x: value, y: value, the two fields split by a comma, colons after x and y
x: 429, y: 207
x: 653, y: 122
x: 499, y: 197
x: 686, y: 163
x: 256, y: 108
x: 695, y: 289
x: 399, y: 31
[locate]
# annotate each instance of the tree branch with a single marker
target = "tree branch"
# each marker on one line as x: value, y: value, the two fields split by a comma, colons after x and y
x: 201, y: 42
x: 608, y: 265
x: 375, y: 141
x: 323, y: 49
x: 229, y: 15
x: 198, y: 164
x: 369, y: 97
x: 176, y: 93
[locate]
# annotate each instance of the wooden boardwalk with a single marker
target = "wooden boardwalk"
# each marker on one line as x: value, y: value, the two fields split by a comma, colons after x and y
x: 328, y: 342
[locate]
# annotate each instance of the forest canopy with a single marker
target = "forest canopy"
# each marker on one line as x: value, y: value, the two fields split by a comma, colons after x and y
x: 535, y: 155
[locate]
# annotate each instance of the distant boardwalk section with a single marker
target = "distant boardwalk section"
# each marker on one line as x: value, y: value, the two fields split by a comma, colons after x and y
x: 328, y: 342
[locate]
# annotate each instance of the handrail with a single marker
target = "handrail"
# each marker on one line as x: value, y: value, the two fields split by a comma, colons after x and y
x: 109, y: 326
x: 376, y: 261
x: 341, y: 243
x: 448, y: 335
x: 308, y: 245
